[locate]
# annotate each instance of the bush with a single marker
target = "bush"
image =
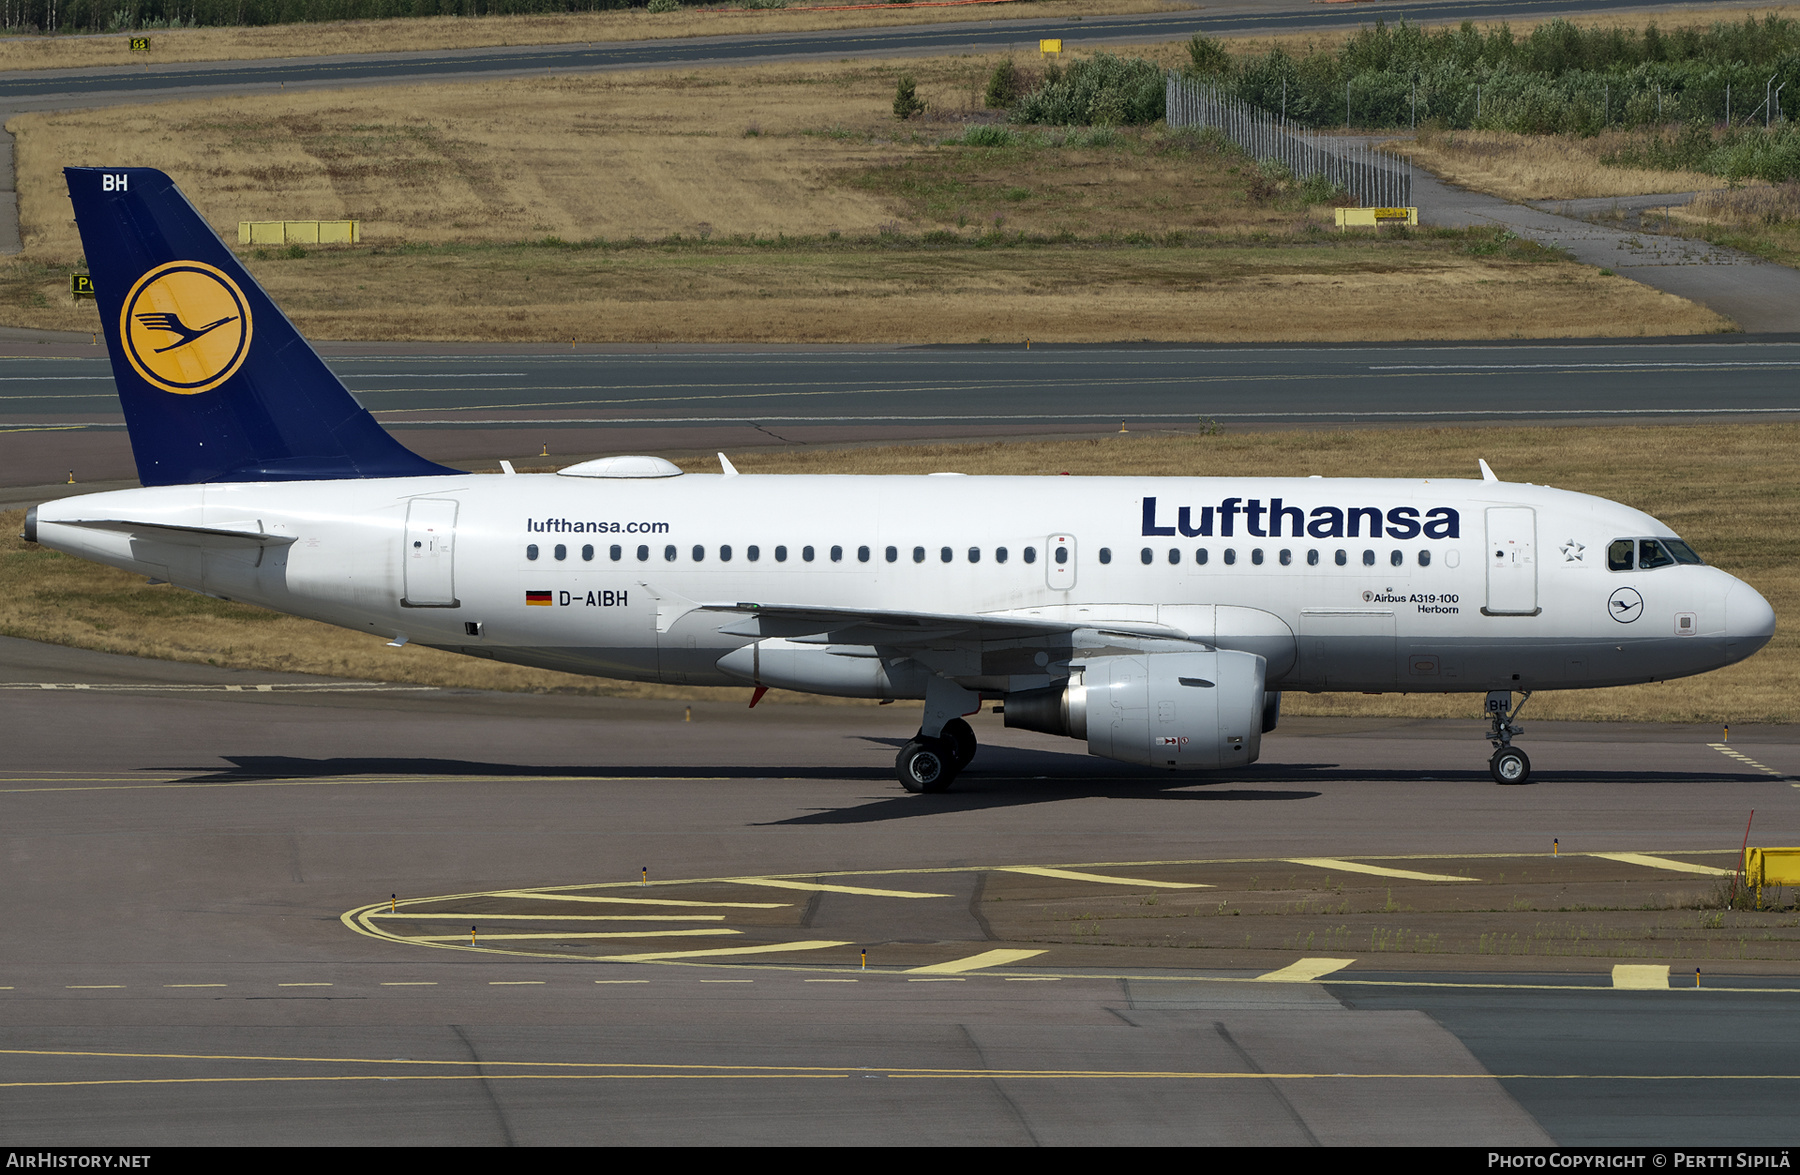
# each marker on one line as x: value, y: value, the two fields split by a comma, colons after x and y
x: 1210, y: 61
x: 906, y: 98
x: 986, y: 136
x: 660, y: 6
x: 1004, y: 86
x: 1101, y: 91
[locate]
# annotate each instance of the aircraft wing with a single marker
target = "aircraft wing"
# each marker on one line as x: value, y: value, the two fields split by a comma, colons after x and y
x: 809, y: 623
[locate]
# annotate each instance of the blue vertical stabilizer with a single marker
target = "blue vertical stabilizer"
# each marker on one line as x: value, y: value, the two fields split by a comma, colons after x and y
x: 216, y: 383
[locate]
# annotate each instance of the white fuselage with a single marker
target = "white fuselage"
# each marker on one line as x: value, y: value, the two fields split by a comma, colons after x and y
x: 1359, y: 585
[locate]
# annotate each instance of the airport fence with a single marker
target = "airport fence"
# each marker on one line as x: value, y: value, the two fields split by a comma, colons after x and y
x: 1373, y: 179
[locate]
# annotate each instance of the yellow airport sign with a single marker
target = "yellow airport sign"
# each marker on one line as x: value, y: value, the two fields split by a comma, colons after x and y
x: 140, y: 44
x: 81, y: 285
x: 1054, y: 46
x: 1371, y: 217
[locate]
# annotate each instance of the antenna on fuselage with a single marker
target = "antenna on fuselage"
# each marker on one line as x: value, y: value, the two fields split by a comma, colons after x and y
x: 726, y: 465
x: 1486, y: 473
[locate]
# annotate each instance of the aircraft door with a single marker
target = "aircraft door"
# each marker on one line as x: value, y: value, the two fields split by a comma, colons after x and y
x: 1059, y: 562
x: 1512, y: 561
x: 430, y: 554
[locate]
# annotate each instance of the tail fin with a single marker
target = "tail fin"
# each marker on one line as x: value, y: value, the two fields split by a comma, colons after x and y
x: 216, y: 383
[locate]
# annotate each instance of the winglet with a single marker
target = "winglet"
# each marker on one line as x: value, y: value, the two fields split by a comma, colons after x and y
x: 1486, y: 473
x: 727, y: 466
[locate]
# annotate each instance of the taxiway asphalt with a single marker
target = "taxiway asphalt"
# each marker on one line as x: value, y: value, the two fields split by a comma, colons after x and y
x: 59, y: 414
x: 180, y: 848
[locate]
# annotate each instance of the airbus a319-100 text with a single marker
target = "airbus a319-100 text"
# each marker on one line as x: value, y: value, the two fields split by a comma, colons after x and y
x: 1156, y: 619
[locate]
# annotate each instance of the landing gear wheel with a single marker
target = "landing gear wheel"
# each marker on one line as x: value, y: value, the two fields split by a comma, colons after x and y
x: 1510, y: 765
x: 925, y: 766
x: 961, y: 738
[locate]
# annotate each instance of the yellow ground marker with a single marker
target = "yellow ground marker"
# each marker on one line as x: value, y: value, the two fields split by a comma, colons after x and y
x: 718, y: 952
x: 1650, y: 862
x: 1305, y: 970
x: 573, y: 897
x: 709, y: 931
x: 974, y: 962
x: 821, y: 887
x: 1640, y: 977
x: 1372, y: 870
x: 563, y: 917
x: 1072, y: 875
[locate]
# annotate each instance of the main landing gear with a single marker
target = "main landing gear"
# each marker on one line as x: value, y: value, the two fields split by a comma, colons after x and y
x: 932, y: 764
x: 1509, y: 764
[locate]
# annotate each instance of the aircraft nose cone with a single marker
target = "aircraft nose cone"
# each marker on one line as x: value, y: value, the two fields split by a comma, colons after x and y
x: 1749, y: 621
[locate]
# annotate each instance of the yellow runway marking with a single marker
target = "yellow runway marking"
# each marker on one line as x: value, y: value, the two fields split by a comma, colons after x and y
x: 728, y: 981
x: 613, y: 981
x: 974, y: 962
x: 1732, y: 752
x: 721, y: 952
x: 709, y: 931
x: 93, y: 986
x: 479, y: 918
x: 820, y: 887
x: 828, y: 981
x: 1640, y: 977
x: 1034, y: 979
x: 1305, y: 971
x: 1072, y: 875
x: 515, y: 983
x: 570, y: 897
x: 303, y: 985
x: 1650, y: 862
x: 193, y: 985
x: 411, y: 983
x: 1372, y: 870
x: 939, y: 979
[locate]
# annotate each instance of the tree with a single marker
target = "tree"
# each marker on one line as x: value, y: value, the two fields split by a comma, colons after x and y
x: 906, y: 98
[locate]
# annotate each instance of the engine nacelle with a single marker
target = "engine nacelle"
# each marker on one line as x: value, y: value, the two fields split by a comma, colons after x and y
x: 1181, y: 711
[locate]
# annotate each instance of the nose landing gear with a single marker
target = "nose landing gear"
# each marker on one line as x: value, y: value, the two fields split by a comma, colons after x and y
x: 1509, y: 764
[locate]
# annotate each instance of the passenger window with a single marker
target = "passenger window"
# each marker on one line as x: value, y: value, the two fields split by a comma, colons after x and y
x: 918, y: 554
x: 1424, y: 558
x: 725, y: 554
x: 1174, y: 557
x: 1200, y: 556
x: 1145, y: 555
x: 1396, y: 558
x: 1312, y: 558
x: 862, y: 554
x: 893, y: 554
x: 781, y: 554
x: 753, y: 552
x: 531, y: 551
x: 806, y: 554
x: 974, y: 554
x: 587, y: 553
x: 1287, y: 557
x: 669, y: 553
x: 616, y: 552
x: 1341, y: 558
x: 999, y: 554
x: 837, y: 554
x: 1256, y: 556
x: 1368, y: 558
x: 1618, y: 555
x: 1062, y: 554
x: 1651, y: 554
x: 945, y: 554
x: 643, y: 554
x: 561, y: 552
x: 1031, y: 554
x: 1230, y: 556
x: 699, y: 553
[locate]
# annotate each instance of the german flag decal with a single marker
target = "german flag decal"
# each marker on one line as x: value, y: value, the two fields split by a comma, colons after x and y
x: 538, y: 599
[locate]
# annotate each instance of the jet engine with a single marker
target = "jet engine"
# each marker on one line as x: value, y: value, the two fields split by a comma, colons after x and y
x: 1177, y: 710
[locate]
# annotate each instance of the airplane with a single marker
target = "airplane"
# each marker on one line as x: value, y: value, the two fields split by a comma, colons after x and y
x: 1157, y: 619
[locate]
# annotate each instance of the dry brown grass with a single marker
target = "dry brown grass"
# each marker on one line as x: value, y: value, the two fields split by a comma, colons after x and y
x: 430, y: 34
x: 1154, y: 237
x: 1730, y: 490
x: 1542, y: 167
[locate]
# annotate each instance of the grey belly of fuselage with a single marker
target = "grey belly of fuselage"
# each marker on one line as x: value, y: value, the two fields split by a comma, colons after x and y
x: 1338, y: 663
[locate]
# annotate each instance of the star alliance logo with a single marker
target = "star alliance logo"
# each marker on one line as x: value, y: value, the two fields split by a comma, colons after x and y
x: 1572, y: 551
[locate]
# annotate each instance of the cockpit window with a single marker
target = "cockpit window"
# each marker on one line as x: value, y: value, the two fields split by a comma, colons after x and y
x: 1618, y: 555
x: 1682, y: 552
x: 1651, y: 554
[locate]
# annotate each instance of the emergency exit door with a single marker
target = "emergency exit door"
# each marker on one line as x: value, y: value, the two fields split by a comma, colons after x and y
x: 1511, y: 561
x: 430, y: 555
